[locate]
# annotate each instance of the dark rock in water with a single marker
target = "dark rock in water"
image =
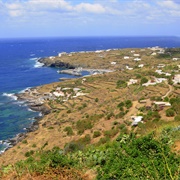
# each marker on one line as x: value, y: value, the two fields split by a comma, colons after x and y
x: 40, y: 108
x: 55, y: 63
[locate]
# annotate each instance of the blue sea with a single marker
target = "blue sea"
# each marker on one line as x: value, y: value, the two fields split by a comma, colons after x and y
x: 19, y: 70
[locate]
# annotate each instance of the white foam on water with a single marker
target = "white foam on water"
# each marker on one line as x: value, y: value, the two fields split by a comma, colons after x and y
x: 34, y: 59
x: 22, y: 91
x: 6, y: 146
x: 31, y: 110
x: 38, y: 64
x: 10, y: 95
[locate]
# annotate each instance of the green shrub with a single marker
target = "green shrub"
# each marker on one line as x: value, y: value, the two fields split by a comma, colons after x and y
x: 82, y: 125
x: 69, y: 131
x: 120, y: 115
x: 96, y: 134
x: 96, y: 100
x: 85, y: 140
x: 34, y: 145
x: 111, y: 114
x: 122, y: 126
x: 111, y: 133
x: 121, y: 104
x: 103, y: 140
x: 72, y: 147
x: 29, y: 153
x: 128, y: 104
x: 144, y: 80
x: 170, y: 112
x: 121, y: 84
x: 69, y: 111
x: 24, y: 141
x: 177, y: 118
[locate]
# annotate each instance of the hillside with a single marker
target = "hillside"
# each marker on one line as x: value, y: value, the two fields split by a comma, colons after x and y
x: 96, y: 114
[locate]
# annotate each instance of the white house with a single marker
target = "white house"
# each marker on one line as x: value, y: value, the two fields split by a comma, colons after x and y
x: 137, y: 59
x: 162, y: 103
x: 159, y: 71
x: 154, y: 54
x: 62, y: 53
x: 136, y: 55
x: 126, y: 57
x: 136, y: 120
x: 160, y: 80
x: 98, y: 51
x: 161, y: 65
x: 175, y: 59
x: 176, y: 79
x: 132, y: 81
x: 113, y: 63
x: 127, y: 67
x: 141, y: 65
x: 149, y: 83
x: 58, y: 94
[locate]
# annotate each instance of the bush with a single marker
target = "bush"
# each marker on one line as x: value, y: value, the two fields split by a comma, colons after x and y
x: 122, y: 126
x: 82, y: 125
x: 120, y: 115
x: 111, y: 133
x: 121, y: 84
x: 96, y: 134
x: 69, y: 130
x: 121, y: 104
x: 177, y: 118
x: 72, y: 147
x: 111, y: 114
x: 29, y: 153
x: 96, y: 100
x: 170, y: 112
x: 128, y: 104
x: 85, y: 140
x: 68, y: 111
x: 144, y: 80
x: 24, y: 141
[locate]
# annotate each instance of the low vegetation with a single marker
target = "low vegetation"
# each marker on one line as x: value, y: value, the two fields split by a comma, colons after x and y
x: 125, y: 158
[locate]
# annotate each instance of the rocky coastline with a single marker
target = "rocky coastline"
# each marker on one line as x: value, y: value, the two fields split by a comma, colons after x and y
x: 34, y: 105
x: 55, y: 63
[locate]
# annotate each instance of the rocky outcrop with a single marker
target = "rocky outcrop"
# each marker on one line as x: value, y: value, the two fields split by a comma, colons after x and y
x: 55, y: 63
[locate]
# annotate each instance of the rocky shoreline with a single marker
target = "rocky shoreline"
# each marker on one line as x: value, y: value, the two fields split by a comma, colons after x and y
x: 55, y: 63
x: 34, y: 106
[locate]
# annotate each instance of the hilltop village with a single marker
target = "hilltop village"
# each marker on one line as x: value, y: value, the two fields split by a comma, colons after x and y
x: 127, y: 90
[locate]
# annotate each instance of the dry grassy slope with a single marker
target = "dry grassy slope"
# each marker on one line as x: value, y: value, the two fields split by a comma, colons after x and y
x: 103, y: 87
x: 103, y: 59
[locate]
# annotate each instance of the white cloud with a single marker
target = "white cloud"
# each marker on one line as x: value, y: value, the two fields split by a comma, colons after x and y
x: 92, y: 8
x: 169, y: 4
x: 56, y: 11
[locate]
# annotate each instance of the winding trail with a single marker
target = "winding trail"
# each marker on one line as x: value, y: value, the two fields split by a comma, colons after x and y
x: 170, y: 90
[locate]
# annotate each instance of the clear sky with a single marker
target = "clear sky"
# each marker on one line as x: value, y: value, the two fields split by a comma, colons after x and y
x: 44, y: 18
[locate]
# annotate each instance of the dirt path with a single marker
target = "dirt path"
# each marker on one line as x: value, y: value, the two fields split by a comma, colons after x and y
x: 170, y: 90
x: 133, y: 110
